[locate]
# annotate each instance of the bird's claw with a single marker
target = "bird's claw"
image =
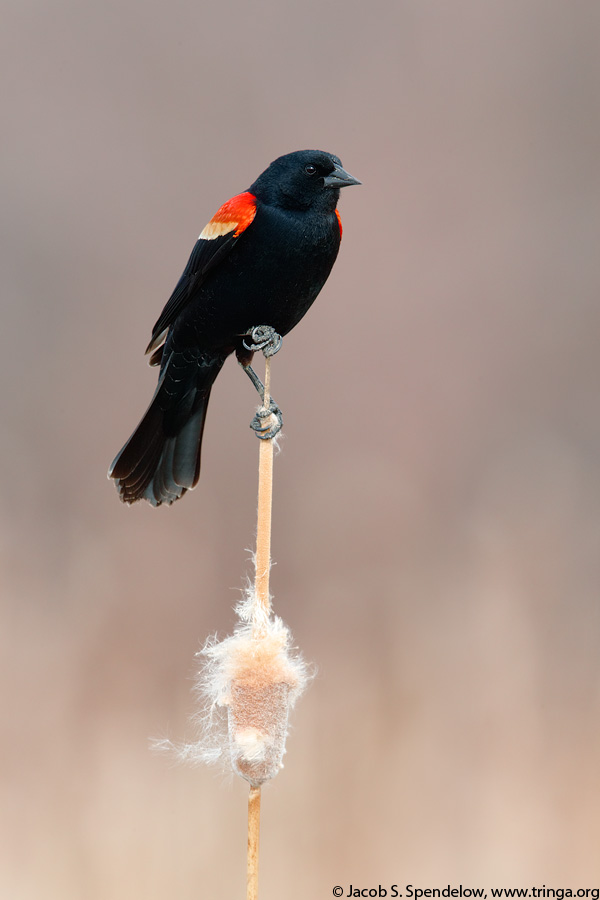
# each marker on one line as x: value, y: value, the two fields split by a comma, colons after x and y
x: 260, y: 424
x: 263, y: 337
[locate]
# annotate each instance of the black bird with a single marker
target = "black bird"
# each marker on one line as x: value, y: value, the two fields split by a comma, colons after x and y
x: 253, y: 273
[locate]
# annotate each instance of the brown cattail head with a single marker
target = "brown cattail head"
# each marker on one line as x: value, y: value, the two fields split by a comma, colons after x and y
x: 265, y: 682
x: 258, y: 718
x: 247, y: 685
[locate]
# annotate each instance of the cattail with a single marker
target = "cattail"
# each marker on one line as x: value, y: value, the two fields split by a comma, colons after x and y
x: 254, y: 677
x: 249, y: 681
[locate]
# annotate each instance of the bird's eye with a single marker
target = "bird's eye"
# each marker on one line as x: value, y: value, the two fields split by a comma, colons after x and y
x: 310, y: 170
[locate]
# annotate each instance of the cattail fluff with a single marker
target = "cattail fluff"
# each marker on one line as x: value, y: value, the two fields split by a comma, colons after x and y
x: 257, y: 678
x: 247, y: 685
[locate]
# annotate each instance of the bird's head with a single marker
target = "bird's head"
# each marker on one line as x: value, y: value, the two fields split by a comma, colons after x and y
x: 303, y: 179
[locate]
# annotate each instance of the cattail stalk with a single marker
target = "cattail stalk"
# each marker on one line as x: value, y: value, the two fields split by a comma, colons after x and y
x: 263, y: 529
x: 253, y: 843
x: 260, y: 614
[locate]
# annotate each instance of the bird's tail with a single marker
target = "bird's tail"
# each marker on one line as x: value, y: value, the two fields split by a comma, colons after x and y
x: 161, y: 459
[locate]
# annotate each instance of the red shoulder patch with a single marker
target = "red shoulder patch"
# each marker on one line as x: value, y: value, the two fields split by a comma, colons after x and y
x: 235, y: 215
x: 339, y: 218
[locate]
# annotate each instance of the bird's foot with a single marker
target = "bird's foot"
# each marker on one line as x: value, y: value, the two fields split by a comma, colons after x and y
x: 263, y: 424
x: 263, y: 337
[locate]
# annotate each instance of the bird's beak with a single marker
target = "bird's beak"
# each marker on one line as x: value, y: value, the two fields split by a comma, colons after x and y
x: 340, y: 178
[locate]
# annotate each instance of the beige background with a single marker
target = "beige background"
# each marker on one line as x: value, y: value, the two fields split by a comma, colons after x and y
x: 437, y: 496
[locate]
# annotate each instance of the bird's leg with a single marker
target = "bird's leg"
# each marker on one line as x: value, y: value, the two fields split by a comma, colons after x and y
x: 264, y: 338
x: 264, y: 431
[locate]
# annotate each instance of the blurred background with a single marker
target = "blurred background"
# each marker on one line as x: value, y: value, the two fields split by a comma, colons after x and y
x: 437, y: 500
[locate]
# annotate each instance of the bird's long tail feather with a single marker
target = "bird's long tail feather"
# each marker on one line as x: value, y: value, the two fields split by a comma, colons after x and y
x: 161, y: 459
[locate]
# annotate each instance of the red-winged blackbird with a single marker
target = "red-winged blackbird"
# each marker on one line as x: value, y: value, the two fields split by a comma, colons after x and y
x: 260, y: 261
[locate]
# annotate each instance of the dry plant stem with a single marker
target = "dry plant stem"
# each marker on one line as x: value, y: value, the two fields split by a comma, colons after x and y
x: 265, y: 498
x: 263, y: 601
x: 253, y: 843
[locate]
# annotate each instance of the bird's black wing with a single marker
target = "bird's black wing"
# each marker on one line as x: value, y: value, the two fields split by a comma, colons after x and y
x: 215, y: 242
